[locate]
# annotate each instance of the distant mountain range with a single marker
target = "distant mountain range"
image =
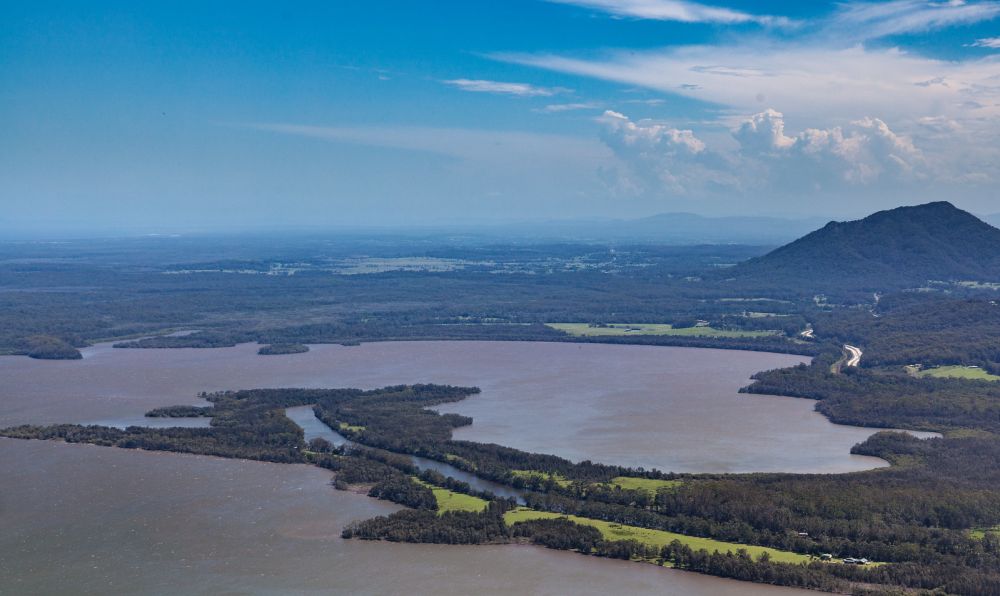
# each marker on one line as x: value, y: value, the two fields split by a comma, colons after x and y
x: 903, y: 247
x: 669, y: 228
x: 680, y: 229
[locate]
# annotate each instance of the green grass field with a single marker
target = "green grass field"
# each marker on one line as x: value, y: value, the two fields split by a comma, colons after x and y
x: 448, y: 500
x: 351, y: 428
x: 622, y: 330
x: 560, y: 480
x: 655, y: 538
x: 980, y: 533
x: 629, y: 483
x: 959, y: 372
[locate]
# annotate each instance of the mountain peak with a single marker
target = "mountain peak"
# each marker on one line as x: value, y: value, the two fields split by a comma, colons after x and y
x: 934, y: 209
x: 902, y: 247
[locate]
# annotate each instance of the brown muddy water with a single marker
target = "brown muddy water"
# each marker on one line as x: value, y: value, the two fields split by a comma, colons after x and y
x: 80, y: 519
x: 89, y: 520
x: 676, y: 409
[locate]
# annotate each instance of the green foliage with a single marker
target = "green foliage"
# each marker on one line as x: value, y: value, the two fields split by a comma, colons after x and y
x: 450, y: 527
x: 402, y: 489
x: 558, y: 532
x: 181, y: 412
x: 887, y: 399
x: 532, y: 478
x: 931, y: 330
x: 278, y: 349
x: 46, y: 347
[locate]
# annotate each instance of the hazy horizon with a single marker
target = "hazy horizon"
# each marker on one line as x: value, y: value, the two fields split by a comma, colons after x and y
x: 567, y: 228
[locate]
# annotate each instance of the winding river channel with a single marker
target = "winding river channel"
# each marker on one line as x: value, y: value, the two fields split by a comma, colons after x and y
x: 93, y: 520
x: 314, y: 428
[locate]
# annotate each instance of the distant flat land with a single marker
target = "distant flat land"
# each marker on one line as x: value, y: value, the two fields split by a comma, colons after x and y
x: 959, y: 372
x: 623, y: 329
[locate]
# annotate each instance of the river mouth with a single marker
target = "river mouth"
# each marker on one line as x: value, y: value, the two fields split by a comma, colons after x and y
x: 673, y: 409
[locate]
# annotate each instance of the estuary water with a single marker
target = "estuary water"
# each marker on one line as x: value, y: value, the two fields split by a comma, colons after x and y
x: 676, y: 409
x: 92, y: 520
x: 80, y: 519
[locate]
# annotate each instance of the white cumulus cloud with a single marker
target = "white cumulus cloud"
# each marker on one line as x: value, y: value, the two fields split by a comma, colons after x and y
x: 660, y: 159
x: 865, y: 152
x: 650, y: 136
x: 764, y: 133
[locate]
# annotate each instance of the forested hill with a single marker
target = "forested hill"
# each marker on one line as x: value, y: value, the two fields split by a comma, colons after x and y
x: 899, y: 248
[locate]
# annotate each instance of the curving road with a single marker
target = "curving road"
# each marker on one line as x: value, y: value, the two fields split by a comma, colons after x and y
x: 853, y: 355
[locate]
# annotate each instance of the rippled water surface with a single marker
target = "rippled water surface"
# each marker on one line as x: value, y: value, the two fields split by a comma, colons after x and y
x: 670, y: 408
x: 93, y: 520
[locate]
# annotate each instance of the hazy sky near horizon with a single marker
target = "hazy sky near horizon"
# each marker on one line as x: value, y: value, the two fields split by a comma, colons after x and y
x: 174, y: 115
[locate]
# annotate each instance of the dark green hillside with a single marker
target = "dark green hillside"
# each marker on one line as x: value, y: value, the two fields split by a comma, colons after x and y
x: 899, y: 248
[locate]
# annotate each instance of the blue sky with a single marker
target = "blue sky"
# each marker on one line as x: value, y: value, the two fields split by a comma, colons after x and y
x: 224, y: 115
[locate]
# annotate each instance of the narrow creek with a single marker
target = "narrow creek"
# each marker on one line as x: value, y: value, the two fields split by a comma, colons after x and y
x: 314, y: 428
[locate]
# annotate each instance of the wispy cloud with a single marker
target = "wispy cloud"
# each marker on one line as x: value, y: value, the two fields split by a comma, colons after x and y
x: 816, y: 82
x: 827, y: 69
x: 649, y: 102
x: 569, y: 107
x: 856, y: 19
x: 987, y: 42
x: 505, y: 88
x: 871, y: 20
x: 675, y: 10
